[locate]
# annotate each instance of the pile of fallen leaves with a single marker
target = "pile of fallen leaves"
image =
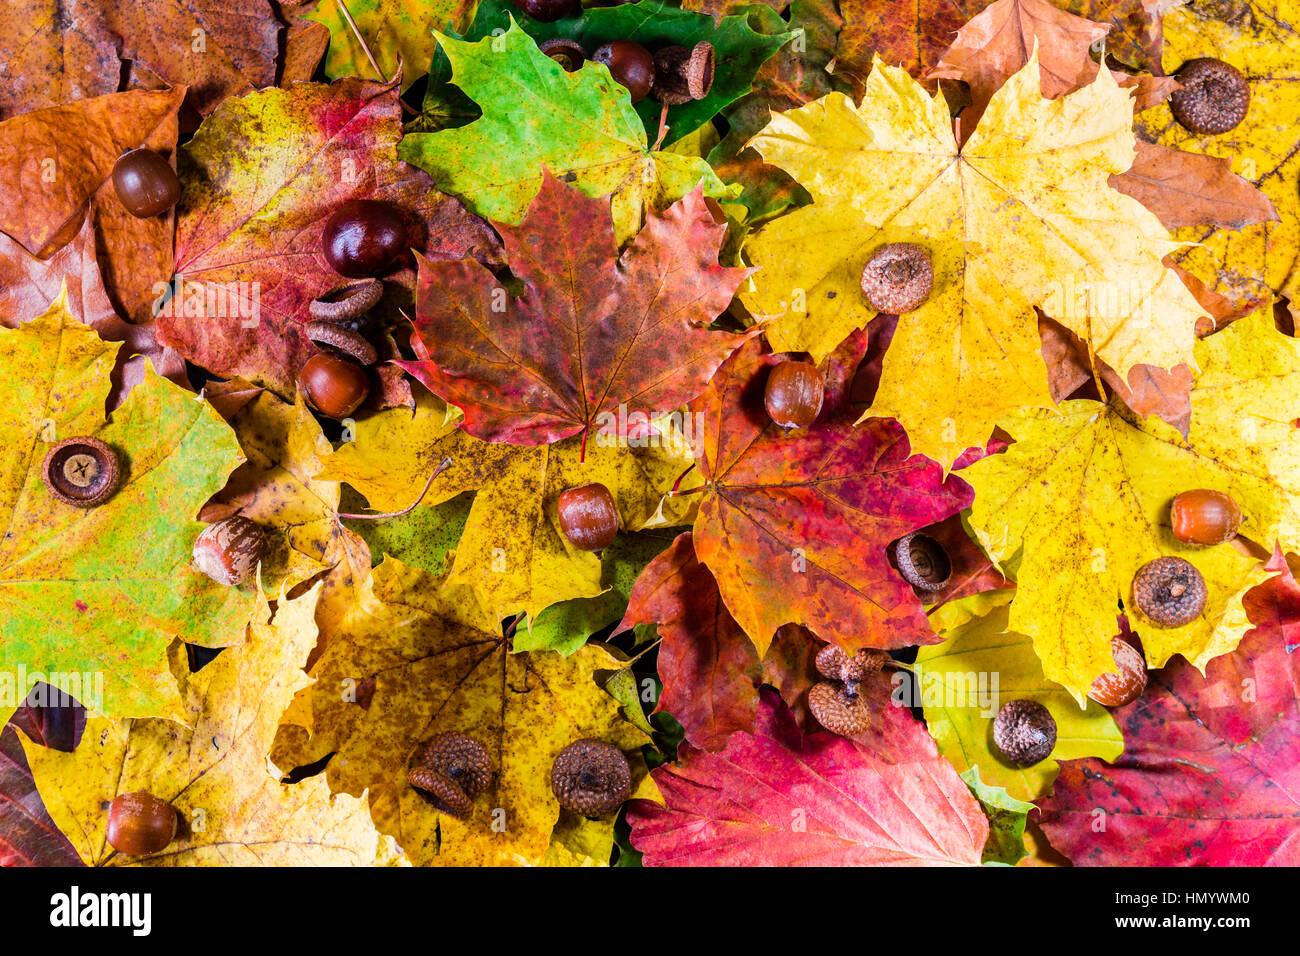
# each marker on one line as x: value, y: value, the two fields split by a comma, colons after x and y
x: 597, y: 292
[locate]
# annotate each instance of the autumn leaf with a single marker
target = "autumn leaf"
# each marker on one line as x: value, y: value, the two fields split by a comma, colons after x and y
x: 213, y: 767
x: 739, y: 50
x: 398, y: 33
x: 1010, y: 220
x: 28, y: 836
x: 94, y: 594
x: 594, y: 339
x: 1136, y: 35
x: 1208, y: 776
x: 908, y: 35
x: 1007, y: 817
x: 778, y: 798
x: 581, y: 126
x: 981, y: 664
x: 47, y: 61
x: 1248, y: 265
x: 437, y: 662
x: 56, y: 168
x: 795, y: 527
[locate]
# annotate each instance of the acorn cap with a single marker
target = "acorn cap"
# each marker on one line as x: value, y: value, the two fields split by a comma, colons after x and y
x: 341, y: 339
x: 683, y: 75
x: 568, y: 53
x: 922, y: 562
x: 1024, y: 732
x: 834, y: 664
x: 347, y: 302
x: 1213, y: 97
x: 461, y: 758
x: 440, y: 791
x: 1169, y: 591
x: 897, y: 278
x: 82, y: 471
x: 837, y: 710
x: 591, y: 777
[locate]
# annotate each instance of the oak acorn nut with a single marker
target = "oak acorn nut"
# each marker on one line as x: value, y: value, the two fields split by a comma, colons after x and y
x: 145, y: 183
x: 630, y: 64
x: 228, y: 550
x: 794, y: 394
x: 835, y: 665
x: 588, y: 517
x: 1205, y: 517
x: 897, y: 278
x: 1213, y: 97
x: 839, y: 710
x: 922, y: 562
x: 1117, y: 688
x: 140, y: 823
x: 1024, y: 732
x: 591, y: 777
x: 82, y: 471
x: 1169, y: 591
x: 333, y: 385
x: 364, y: 238
x: 683, y: 75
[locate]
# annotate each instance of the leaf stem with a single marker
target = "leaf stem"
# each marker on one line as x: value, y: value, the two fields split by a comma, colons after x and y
x: 442, y: 466
x: 347, y: 15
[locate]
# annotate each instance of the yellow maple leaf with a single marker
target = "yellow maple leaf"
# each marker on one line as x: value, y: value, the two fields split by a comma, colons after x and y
x: 234, y: 812
x: 1020, y: 216
x: 511, y: 552
x: 432, y: 660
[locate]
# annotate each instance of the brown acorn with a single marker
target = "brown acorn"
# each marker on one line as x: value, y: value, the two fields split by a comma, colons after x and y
x: 1169, y: 591
x: 1124, y: 686
x: 140, y: 824
x: 922, y: 562
x: 568, y: 53
x: 1024, y: 732
x: 228, y: 550
x: 1204, y: 517
x: 82, y: 471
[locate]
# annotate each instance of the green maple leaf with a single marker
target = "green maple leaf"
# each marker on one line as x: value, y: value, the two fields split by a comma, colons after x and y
x: 581, y: 126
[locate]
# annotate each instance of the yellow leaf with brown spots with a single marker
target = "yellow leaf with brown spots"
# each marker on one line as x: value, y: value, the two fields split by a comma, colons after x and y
x: 511, y: 553
x: 1019, y: 217
x: 233, y: 811
x: 416, y: 659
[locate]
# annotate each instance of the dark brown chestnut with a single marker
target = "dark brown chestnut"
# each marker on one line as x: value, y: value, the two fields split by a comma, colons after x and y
x: 630, y: 64
x: 794, y: 394
x: 364, y: 238
x: 145, y: 183
x: 548, y: 11
x: 588, y: 517
x: 140, y: 823
x: 333, y: 385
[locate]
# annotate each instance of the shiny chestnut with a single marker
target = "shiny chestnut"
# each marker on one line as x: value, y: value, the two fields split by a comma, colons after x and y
x: 588, y: 517
x: 333, y: 385
x: 630, y: 64
x: 364, y: 238
x: 145, y: 183
x: 794, y: 394
x: 140, y: 823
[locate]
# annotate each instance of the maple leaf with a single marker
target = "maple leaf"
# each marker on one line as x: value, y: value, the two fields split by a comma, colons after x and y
x: 434, y: 661
x: 738, y: 48
x: 537, y: 117
x: 1007, y: 817
x: 1209, y: 772
x: 56, y: 167
x: 959, y: 711
x: 1244, y: 266
x: 1136, y: 35
x: 776, y: 798
x: 399, y: 34
x: 249, y: 257
x: 512, y: 552
x: 87, y: 592
x: 213, y: 768
x: 710, y: 670
x: 795, y: 527
x: 48, y: 61
x: 911, y: 35
x: 594, y: 337
x: 28, y: 285
x: 28, y: 836
x: 1102, y: 483
x: 1011, y: 219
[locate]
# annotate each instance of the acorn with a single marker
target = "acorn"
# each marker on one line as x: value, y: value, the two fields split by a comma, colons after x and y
x: 1204, y: 517
x: 140, y: 824
x: 591, y: 778
x: 794, y: 394
x: 1169, y: 591
x: 588, y: 517
x: 683, y: 75
x: 568, y: 53
x: 228, y: 550
x: 922, y: 562
x: 839, y: 710
x: 1024, y: 732
x: 1213, y: 96
x: 451, y: 770
x: 897, y: 278
x: 1115, y: 689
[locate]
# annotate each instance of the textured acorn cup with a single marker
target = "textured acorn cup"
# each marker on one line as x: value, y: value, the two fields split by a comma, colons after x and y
x: 588, y: 517
x: 1214, y: 96
x: 460, y: 758
x: 145, y: 183
x: 630, y: 64
x: 897, y: 278
x: 351, y: 344
x: 591, y: 777
x: 922, y: 562
x: 440, y: 791
x: 1169, y: 591
x: 548, y: 11
x: 794, y: 394
x: 364, y: 237
x: 1124, y: 686
x: 833, y: 664
x: 140, y: 823
x: 347, y: 303
x: 333, y: 385
x: 569, y: 54
x: 83, y: 471
x: 1024, y: 732
x: 838, y: 710
x: 1204, y: 517
x: 228, y: 550
x: 683, y: 75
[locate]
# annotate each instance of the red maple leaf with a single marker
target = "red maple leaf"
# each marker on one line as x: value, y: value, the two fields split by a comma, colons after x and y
x: 1211, y: 766
x: 777, y: 798
x: 795, y: 526
x: 594, y: 338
